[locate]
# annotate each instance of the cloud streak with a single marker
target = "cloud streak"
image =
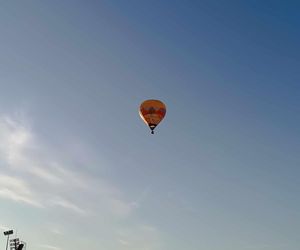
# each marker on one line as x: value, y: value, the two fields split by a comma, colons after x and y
x: 139, y: 237
x: 17, y: 190
x: 50, y: 247
x: 60, y: 202
x: 32, y: 175
x: 40, y: 180
x: 4, y: 228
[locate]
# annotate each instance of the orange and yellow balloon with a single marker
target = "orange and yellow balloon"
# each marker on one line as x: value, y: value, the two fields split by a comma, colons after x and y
x: 152, y: 112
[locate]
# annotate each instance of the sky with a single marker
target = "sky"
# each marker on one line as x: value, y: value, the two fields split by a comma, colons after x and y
x: 78, y: 167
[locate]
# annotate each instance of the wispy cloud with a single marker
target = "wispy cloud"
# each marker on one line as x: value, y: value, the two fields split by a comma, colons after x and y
x: 56, y: 231
x: 9, y: 194
x: 139, y: 237
x: 17, y: 190
x: 123, y: 242
x: 35, y: 177
x: 4, y: 228
x: 45, y: 246
x: 265, y: 246
x: 60, y: 202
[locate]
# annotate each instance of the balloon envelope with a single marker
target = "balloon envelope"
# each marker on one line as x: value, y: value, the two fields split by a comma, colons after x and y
x: 152, y: 112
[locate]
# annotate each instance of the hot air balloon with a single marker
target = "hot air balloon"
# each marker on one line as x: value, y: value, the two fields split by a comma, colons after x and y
x: 152, y: 112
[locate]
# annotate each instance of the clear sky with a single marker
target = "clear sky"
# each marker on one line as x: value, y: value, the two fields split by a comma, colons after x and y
x: 80, y: 170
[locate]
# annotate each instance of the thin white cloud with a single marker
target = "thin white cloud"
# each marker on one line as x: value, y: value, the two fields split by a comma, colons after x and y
x: 11, y: 195
x: 56, y: 231
x: 265, y: 246
x: 123, y: 242
x: 139, y: 237
x: 19, y: 150
x: 61, y: 202
x: 15, y: 183
x: 17, y: 190
x: 50, y: 247
x: 34, y: 175
x: 4, y: 228
x: 13, y: 138
x: 121, y: 208
x: 45, y: 175
x: 22, y: 154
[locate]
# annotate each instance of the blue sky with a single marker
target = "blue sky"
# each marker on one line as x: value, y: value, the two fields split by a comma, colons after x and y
x: 79, y: 168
